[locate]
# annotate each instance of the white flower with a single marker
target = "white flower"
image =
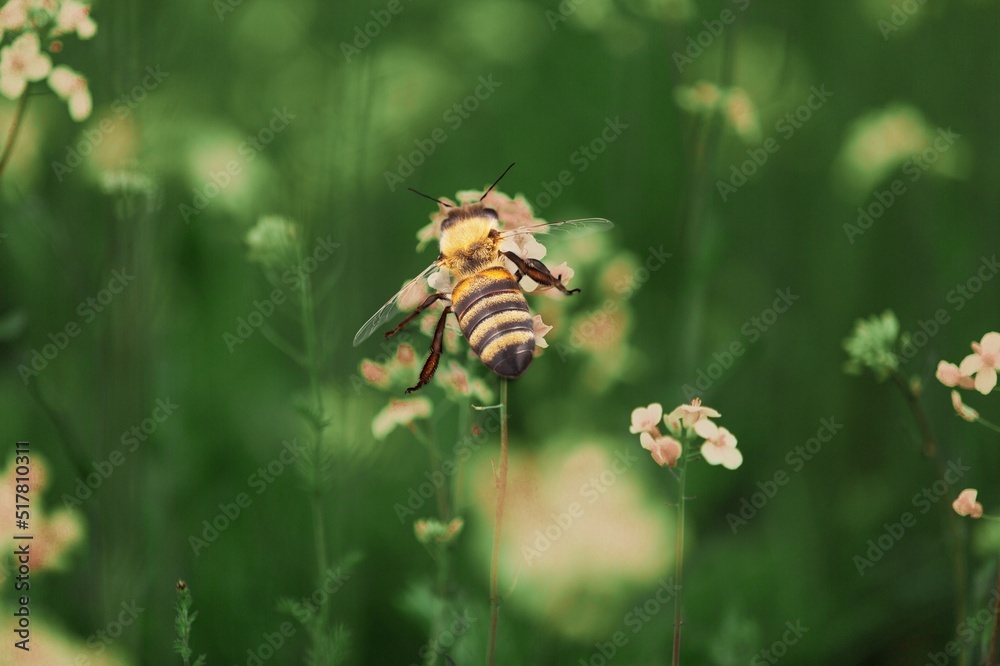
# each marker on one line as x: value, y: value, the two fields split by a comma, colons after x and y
x: 13, y: 16
x: 75, y: 17
x: 440, y: 280
x: 72, y: 87
x: 21, y: 62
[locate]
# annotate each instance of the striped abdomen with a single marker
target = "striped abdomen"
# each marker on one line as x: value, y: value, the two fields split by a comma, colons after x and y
x: 494, y: 317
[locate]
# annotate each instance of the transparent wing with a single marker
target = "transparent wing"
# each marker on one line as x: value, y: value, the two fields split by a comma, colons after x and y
x: 580, y: 227
x: 390, y: 309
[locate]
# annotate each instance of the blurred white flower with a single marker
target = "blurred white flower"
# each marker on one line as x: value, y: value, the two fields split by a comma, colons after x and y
x: 75, y: 17
x: 72, y: 87
x: 20, y: 63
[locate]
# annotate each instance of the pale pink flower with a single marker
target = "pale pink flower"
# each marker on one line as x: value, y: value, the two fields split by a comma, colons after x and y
x: 645, y: 419
x: 665, y: 450
x: 513, y: 213
x: 405, y: 355
x: 375, y: 373
x: 20, y: 63
x: 541, y: 328
x: 742, y: 114
x: 691, y: 414
x: 75, y: 17
x: 440, y: 280
x: 984, y: 362
x: 949, y: 375
x: 963, y: 410
x: 526, y: 247
x: 413, y: 294
x: 13, y: 15
x: 966, y: 504
x: 454, y: 379
x: 401, y: 412
x: 72, y: 87
x: 720, y: 445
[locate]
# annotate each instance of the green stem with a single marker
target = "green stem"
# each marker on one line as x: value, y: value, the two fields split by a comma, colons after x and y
x: 988, y: 424
x: 318, y: 422
x: 8, y: 148
x: 501, y: 484
x: 996, y: 623
x: 930, y: 450
x: 679, y: 556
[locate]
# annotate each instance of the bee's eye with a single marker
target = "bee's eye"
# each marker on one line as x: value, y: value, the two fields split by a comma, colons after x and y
x: 489, y: 212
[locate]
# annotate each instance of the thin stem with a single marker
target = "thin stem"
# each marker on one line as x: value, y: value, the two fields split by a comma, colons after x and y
x: 996, y: 623
x: 8, y: 148
x: 992, y: 426
x: 679, y: 559
x: 501, y: 484
x: 930, y: 450
x: 318, y: 422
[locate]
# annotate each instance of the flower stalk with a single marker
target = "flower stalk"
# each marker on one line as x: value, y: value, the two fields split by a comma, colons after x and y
x: 500, y: 477
x: 679, y: 557
x: 8, y: 147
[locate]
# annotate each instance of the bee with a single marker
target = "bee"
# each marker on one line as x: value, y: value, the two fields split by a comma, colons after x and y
x: 486, y: 299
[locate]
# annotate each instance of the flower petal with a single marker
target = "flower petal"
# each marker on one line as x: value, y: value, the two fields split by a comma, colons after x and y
x: 986, y: 379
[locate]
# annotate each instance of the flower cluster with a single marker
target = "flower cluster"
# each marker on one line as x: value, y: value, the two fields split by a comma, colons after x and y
x: 56, y: 533
x: 966, y: 504
x: 685, y: 423
x: 738, y: 110
x: 978, y: 370
x: 36, y: 26
x: 872, y: 345
x: 429, y: 530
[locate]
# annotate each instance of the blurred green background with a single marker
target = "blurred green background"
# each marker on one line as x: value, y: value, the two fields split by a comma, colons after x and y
x: 218, y: 113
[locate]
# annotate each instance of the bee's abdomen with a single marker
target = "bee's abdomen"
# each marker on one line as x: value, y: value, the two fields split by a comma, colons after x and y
x: 495, y: 319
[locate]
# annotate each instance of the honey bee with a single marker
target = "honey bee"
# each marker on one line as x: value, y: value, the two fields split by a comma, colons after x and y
x: 486, y: 299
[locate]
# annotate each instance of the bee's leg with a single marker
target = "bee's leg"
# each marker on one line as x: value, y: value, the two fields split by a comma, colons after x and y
x: 538, y: 272
x: 429, y: 301
x: 431, y: 364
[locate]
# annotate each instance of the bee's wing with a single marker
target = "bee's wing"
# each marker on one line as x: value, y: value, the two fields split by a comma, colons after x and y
x: 581, y: 227
x: 390, y: 309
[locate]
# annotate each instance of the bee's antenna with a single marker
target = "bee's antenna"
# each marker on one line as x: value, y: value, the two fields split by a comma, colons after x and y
x: 446, y: 205
x: 497, y: 181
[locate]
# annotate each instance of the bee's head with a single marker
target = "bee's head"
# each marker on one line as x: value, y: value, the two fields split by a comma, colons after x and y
x: 467, y: 212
